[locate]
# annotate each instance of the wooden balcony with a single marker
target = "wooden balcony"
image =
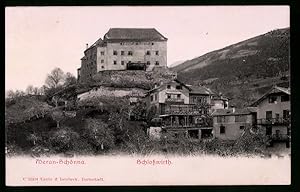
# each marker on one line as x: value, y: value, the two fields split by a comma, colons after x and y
x: 174, y: 100
x: 279, y: 137
x: 136, y: 66
x: 274, y: 121
x: 187, y: 126
x: 181, y: 110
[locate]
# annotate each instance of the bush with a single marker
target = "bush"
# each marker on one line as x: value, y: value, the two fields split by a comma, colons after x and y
x: 63, y: 140
x: 82, y: 146
x: 250, y: 143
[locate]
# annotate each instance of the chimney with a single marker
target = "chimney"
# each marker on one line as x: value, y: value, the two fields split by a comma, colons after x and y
x: 87, y: 46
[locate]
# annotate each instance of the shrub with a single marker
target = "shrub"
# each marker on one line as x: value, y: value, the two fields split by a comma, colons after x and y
x: 63, y: 139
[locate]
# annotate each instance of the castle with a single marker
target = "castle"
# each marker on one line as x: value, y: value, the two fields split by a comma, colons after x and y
x: 124, y: 49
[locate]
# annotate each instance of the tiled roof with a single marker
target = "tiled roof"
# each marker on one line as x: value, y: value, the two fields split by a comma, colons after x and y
x: 192, y: 89
x: 220, y: 97
x: 162, y: 84
x: 200, y: 90
x: 149, y: 34
x: 285, y: 90
x: 98, y: 42
x: 225, y: 112
x: 275, y: 89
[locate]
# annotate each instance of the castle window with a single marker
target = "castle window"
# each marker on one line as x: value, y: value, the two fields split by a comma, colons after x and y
x: 156, y: 63
x: 102, y: 52
x: 148, y: 62
x: 156, y: 52
x: 115, y: 62
x: 222, y: 129
x: 102, y: 61
x: 122, y: 62
x: 121, y: 43
x: 148, y: 53
x: 122, y: 52
x: 102, y: 67
x: 178, y: 96
x: 130, y: 53
x: 168, y: 86
x: 242, y: 127
x: 136, y: 43
x: 152, y: 43
x: 178, y: 87
x: 115, y: 53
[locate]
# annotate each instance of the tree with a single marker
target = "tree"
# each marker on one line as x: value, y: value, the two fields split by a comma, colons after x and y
x: 29, y: 90
x: 99, y: 134
x: 57, y: 115
x: 34, y: 138
x: 41, y: 90
x: 10, y: 94
x: 35, y: 90
x: 19, y: 93
x: 70, y: 79
x: 55, y: 78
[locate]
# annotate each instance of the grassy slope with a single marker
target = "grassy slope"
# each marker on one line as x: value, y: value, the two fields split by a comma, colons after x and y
x: 251, y: 65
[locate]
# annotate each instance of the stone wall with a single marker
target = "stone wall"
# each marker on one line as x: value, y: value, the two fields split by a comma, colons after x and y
x: 111, y: 92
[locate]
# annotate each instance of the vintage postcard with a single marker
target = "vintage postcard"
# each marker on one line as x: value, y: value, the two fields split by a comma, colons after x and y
x: 147, y: 95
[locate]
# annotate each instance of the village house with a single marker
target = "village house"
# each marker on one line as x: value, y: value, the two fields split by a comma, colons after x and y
x: 229, y: 124
x: 273, y: 114
x: 175, y: 93
x: 123, y: 49
x: 219, y: 102
x: 183, y: 109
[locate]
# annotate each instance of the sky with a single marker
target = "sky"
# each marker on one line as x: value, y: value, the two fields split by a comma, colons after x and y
x: 38, y: 39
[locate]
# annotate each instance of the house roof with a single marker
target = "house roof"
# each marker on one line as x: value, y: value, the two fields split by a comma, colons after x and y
x: 161, y: 85
x: 200, y: 90
x: 98, y: 42
x: 226, y: 112
x: 220, y: 97
x: 274, y: 89
x: 192, y: 89
x: 137, y: 34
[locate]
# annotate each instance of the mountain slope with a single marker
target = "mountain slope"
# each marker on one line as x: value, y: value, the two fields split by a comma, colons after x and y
x: 251, y: 65
x: 263, y: 56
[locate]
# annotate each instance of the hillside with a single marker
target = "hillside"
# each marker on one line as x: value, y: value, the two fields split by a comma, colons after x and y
x: 25, y: 108
x: 133, y: 78
x: 251, y: 65
x: 271, y: 47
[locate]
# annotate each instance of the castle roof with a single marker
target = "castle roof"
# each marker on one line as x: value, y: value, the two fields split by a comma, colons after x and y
x: 99, y: 42
x: 133, y: 34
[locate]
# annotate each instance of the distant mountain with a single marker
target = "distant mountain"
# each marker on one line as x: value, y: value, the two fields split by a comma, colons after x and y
x: 176, y: 63
x: 253, y: 62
